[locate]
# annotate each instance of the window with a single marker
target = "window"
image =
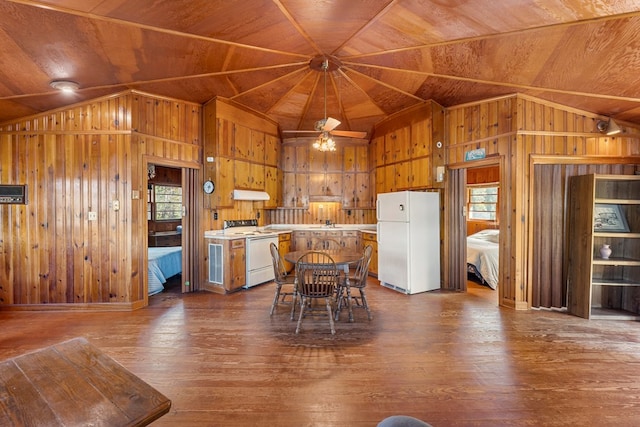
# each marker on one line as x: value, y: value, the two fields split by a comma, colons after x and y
x: 483, y: 203
x: 167, y: 202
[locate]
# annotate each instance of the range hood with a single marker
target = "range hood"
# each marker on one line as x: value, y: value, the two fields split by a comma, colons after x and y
x: 250, y: 195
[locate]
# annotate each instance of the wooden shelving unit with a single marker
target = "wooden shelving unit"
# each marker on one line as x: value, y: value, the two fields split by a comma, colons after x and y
x: 604, y: 288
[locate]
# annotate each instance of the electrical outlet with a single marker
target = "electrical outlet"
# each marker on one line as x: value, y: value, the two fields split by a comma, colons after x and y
x: 116, y: 205
x: 93, y: 216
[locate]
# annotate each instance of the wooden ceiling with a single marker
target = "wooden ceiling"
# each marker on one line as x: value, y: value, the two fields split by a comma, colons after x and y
x: 391, y: 54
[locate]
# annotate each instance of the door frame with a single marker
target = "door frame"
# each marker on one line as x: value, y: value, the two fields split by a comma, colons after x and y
x: 456, y: 224
x: 191, y: 199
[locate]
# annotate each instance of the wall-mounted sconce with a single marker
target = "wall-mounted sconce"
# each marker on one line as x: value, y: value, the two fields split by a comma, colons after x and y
x: 151, y: 171
x: 609, y: 128
x: 66, y: 86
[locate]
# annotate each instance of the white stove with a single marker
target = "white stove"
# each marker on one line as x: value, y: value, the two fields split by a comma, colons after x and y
x: 258, y: 252
x: 245, y: 227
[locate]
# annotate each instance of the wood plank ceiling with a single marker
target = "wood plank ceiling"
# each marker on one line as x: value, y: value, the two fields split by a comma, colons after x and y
x: 391, y: 54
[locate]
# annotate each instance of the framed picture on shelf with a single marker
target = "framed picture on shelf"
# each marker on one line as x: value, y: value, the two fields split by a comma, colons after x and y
x: 609, y: 218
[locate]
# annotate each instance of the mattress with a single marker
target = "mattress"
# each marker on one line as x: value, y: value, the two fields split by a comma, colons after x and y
x: 164, y: 262
x: 483, y: 256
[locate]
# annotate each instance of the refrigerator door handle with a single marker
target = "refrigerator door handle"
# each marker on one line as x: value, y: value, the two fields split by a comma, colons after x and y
x: 378, y: 209
x: 378, y: 232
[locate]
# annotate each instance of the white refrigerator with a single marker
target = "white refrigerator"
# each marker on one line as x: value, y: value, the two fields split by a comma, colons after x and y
x: 409, y: 240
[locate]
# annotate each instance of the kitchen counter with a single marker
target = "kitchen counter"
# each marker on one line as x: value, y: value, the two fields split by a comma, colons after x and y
x: 288, y: 228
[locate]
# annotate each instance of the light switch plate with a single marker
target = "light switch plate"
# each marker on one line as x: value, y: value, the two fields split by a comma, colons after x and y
x: 93, y: 216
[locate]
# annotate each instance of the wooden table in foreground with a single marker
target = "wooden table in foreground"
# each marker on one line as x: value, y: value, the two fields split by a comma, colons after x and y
x: 75, y: 384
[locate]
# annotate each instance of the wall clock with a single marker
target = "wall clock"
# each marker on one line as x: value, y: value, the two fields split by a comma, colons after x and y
x: 208, y: 187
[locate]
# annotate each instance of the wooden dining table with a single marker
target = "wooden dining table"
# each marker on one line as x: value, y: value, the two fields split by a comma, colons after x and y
x: 342, y: 258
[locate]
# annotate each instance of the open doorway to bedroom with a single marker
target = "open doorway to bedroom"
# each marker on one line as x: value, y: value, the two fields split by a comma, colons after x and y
x: 482, y: 206
x: 165, y: 208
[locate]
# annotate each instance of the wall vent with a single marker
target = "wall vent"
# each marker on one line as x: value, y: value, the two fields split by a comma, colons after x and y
x: 216, y: 271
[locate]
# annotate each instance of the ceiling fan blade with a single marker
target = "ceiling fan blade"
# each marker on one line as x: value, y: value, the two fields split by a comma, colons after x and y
x: 349, y: 134
x: 299, y: 131
x: 330, y: 124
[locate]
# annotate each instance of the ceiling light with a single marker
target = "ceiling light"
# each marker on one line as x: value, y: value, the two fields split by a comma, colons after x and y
x: 610, y: 127
x: 324, y: 143
x: 66, y: 86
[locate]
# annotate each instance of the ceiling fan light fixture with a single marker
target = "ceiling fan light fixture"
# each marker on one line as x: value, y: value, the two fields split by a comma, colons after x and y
x: 325, y: 143
x: 66, y: 86
x: 608, y: 127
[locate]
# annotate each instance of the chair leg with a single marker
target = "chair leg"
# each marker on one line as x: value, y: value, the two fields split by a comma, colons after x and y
x: 339, y: 300
x: 365, y: 304
x: 331, y: 324
x: 302, y: 306
x: 349, y: 303
x: 275, y: 300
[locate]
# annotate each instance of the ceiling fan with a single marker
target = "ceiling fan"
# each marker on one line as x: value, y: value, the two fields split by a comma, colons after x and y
x: 327, y: 125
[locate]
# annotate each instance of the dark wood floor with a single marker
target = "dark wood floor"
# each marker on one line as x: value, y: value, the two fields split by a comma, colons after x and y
x: 449, y: 359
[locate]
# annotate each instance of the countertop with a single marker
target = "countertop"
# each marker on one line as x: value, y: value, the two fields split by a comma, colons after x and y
x: 288, y: 228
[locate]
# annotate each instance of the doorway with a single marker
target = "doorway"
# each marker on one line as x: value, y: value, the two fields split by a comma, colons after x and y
x: 178, y: 226
x: 456, y: 219
x: 482, y: 202
x: 165, y: 205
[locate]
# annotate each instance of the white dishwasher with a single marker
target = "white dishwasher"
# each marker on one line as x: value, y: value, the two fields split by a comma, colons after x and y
x: 259, y: 263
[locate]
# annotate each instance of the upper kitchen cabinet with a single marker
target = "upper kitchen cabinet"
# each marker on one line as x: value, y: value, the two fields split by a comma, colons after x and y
x: 249, y: 144
x: 238, y: 144
x: 408, y: 147
x: 356, y: 179
x: 336, y: 176
x: 272, y: 149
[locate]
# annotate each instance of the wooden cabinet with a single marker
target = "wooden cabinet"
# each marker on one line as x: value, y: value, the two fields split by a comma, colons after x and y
x: 249, y: 176
x: 239, y: 155
x: 284, y: 246
x: 273, y: 185
x: 226, y: 264
x: 604, y: 209
x: 315, y: 176
x: 308, y: 239
x: 371, y: 239
x: 301, y: 240
x: 408, y: 148
x: 350, y: 239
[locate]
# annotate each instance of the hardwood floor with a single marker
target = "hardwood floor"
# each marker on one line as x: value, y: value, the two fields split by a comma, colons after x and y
x: 447, y: 358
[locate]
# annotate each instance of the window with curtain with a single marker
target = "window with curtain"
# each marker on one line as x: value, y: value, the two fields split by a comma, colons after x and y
x: 167, y: 202
x: 482, y: 203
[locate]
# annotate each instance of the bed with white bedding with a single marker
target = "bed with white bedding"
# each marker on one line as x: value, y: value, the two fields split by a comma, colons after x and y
x: 482, y: 256
x: 164, y: 262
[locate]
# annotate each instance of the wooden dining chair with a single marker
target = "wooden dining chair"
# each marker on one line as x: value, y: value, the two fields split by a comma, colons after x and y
x: 317, y: 277
x: 285, y: 283
x: 356, y: 280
